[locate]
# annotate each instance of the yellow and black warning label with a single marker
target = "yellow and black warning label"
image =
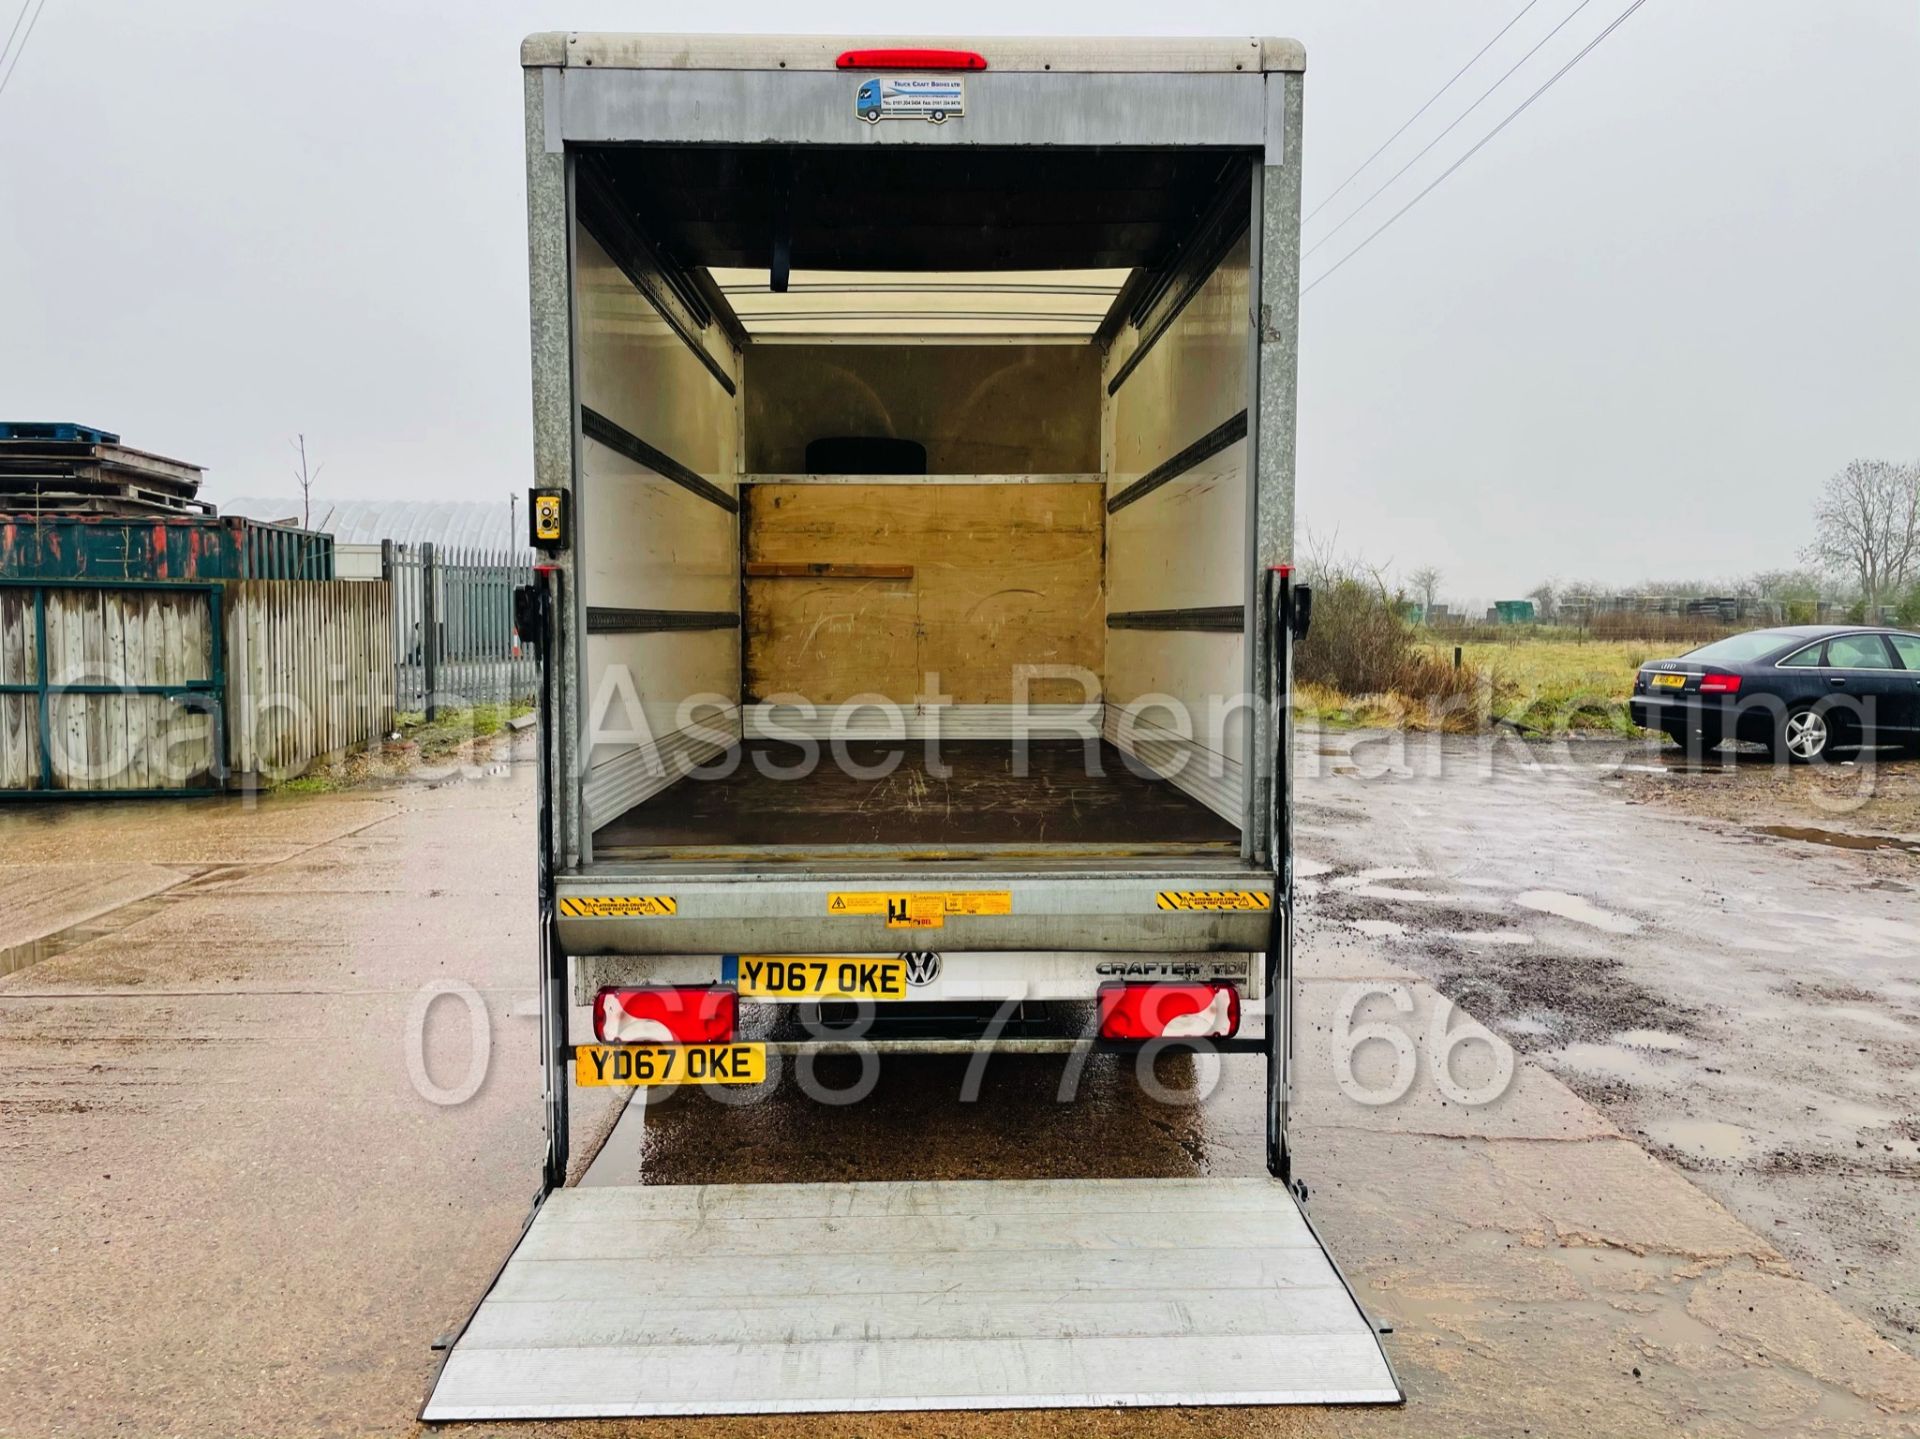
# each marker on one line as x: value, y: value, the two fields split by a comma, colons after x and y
x: 926, y: 910
x: 1217, y: 899
x: 618, y: 906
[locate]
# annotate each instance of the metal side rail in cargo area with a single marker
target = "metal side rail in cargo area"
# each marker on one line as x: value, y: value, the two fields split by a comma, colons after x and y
x: 909, y: 656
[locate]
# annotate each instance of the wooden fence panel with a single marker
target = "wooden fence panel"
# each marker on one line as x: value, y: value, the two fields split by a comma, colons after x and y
x: 19, y: 713
x: 309, y: 671
x: 113, y: 741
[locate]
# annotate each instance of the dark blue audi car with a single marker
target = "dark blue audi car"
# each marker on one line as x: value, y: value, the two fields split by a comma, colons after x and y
x: 1803, y: 691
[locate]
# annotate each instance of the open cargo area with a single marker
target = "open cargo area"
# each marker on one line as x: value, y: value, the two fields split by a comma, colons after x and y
x: 914, y: 502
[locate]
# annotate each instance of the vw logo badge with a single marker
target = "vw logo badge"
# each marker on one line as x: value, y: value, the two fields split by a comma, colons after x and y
x: 923, y: 967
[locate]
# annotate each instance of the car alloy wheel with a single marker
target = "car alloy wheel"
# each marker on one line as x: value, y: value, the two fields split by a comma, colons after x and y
x: 1807, y: 733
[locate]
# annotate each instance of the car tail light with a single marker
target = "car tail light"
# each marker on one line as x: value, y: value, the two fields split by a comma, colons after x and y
x: 694, y: 1015
x: 1169, y: 1011
x: 1719, y: 684
x: 910, y: 59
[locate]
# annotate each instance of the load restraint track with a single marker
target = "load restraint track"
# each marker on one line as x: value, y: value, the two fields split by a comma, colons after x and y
x: 786, y: 1298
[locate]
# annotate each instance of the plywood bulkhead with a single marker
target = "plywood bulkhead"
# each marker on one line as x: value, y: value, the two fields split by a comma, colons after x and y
x: 1004, y: 577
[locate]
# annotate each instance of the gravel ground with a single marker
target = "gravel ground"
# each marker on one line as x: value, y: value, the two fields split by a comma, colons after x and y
x: 244, y: 1200
x: 1721, y: 957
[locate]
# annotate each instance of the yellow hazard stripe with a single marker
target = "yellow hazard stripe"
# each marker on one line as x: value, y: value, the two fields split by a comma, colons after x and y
x: 1214, y: 899
x: 618, y: 906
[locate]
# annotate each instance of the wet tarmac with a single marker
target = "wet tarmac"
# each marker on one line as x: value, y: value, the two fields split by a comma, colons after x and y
x: 1744, y: 997
x: 247, y: 1183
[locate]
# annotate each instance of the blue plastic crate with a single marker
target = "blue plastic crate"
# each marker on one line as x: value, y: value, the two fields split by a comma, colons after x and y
x: 57, y: 431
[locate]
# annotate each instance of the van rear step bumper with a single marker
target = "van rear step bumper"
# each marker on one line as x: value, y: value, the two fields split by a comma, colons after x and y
x: 1155, y: 911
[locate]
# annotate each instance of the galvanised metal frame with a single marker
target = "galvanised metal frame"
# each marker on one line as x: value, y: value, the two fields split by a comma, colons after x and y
x: 208, y: 694
x: 1257, y: 110
x: 1272, y: 421
x: 596, y: 106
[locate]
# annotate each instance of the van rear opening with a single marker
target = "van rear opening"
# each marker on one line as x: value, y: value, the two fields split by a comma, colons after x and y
x: 913, y: 506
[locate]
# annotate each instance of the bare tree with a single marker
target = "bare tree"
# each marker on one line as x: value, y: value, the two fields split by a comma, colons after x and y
x: 1867, y: 525
x: 1545, y: 599
x: 305, y: 482
x: 1426, y: 584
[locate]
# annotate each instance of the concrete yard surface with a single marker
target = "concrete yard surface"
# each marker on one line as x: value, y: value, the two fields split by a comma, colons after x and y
x: 239, y: 1201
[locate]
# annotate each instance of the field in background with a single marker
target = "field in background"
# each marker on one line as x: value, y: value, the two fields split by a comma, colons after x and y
x: 1558, y: 684
x: 1363, y: 664
x: 1533, y: 678
x: 1670, y: 633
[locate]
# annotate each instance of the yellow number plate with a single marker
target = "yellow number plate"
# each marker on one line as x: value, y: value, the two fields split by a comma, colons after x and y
x: 1670, y: 682
x: 644, y: 1064
x: 821, y: 976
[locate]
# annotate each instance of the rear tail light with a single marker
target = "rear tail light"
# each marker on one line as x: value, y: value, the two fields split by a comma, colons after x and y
x: 1719, y: 684
x: 1169, y: 1011
x: 699, y: 1015
x: 910, y: 59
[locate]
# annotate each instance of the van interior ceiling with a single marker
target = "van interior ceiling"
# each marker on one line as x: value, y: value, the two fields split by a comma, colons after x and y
x: 956, y: 428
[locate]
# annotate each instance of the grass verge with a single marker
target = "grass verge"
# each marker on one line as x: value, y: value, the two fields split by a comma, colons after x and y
x: 1556, y: 686
x: 1539, y: 686
x: 420, y: 742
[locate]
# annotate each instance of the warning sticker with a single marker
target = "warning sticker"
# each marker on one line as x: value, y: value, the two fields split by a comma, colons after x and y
x: 618, y: 906
x: 1214, y: 899
x: 921, y: 911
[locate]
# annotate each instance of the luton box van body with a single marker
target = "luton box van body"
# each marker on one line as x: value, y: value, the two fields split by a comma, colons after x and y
x: 914, y: 434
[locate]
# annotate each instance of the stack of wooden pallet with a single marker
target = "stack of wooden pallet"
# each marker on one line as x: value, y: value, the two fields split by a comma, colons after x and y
x: 76, y: 470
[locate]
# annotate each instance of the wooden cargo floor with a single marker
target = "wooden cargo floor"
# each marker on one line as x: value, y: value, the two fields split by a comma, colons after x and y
x: 980, y: 800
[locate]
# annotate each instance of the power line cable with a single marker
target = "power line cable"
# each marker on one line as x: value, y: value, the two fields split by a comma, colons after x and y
x: 1619, y: 20
x: 1418, y: 113
x: 1355, y: 212
x: 15, y: 63
x: 25, y: 5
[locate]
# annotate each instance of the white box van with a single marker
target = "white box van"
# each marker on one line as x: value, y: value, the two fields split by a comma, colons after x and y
x: 923, y: 415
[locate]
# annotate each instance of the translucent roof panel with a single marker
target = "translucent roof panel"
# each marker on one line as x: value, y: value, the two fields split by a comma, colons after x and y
x: 961, y: 305
x: 487, y: 524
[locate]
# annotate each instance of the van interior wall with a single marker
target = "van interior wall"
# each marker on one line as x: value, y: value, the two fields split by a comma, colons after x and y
x: 1176, y: 460
x: 659, y: 540
x: 987, y: 409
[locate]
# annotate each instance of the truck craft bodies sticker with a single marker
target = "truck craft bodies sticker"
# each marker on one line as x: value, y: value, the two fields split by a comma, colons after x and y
x: 910, y: 97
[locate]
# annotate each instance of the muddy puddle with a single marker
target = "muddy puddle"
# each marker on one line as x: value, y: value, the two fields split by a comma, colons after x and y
x: 1702, y: 1139
x: 17, y: 957
x: 1655, y: 1039
x: 1865, y: 843
x: 1612, y: 1061
x: 1578, y: 909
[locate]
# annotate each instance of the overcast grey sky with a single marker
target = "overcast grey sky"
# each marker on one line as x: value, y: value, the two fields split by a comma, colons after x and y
x: 1627, y: 340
